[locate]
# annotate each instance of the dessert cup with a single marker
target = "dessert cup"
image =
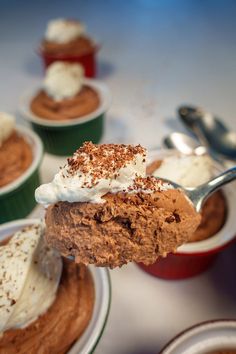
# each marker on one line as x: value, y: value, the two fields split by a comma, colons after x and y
x: 17, y: 198
x: 209, y: 337
x: 64, y: 137
x: 89, y: 339
x: 193, y: 258
x: 87, y: 60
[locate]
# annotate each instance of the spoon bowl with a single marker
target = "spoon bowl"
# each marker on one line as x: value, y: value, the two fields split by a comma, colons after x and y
x: 184, y: 144
x: 210, y: 130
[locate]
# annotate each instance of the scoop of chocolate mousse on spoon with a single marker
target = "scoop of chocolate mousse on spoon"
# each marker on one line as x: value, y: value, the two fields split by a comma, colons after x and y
x: 103, y: 210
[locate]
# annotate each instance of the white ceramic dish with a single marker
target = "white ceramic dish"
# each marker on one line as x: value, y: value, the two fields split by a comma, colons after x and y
x: 204, y: 338
x: 98, y: 86
x: 90, y: 338
x: 227, y: 232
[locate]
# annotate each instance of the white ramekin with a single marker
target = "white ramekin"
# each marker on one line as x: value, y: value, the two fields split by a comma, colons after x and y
x: 91, y: 336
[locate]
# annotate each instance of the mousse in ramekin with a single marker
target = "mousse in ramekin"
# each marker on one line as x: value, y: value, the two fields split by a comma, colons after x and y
x: 212, y: 337
x: 216, y: 230
x: 47, y: 304
x: 66, y: 40
x: 67, y: 109
x: 20, y: 156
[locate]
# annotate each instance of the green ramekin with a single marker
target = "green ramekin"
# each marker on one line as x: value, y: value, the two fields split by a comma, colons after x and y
x: 17, y: 198
x: 62, y: 138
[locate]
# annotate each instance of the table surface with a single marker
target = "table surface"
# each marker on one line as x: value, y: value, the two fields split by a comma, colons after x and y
x: 156, y: 55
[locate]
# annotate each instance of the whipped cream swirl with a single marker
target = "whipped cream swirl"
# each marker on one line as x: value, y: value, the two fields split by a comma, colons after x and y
x: 63, y: 31
x: 93, y: 171
x: 188, y: 171
x: 63, y: 80
x: 29, y: 273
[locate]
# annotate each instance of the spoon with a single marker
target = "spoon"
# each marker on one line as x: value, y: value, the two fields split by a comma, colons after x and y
x: 184, y: 144
x: 199, y: 194
x: 210, y: 130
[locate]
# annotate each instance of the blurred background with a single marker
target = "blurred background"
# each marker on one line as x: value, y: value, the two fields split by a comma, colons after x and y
x: 155, y: 55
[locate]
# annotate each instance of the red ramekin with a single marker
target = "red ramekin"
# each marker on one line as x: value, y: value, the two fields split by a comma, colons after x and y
x: 87, y: 60
x: 195, y: 257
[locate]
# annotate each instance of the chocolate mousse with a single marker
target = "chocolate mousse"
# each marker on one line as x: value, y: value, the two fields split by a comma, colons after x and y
x: 64, y: 95
x: 63, y: 323
x: 48, y: 308
x: 84, y: 102
x: 105, y: 211
x: 66, y: 38
x: 214, y: 210
x: 127, y: 227
x: 76, y: 47
x: 15, y: 153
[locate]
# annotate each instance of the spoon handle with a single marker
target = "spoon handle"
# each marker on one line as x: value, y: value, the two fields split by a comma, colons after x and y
x: 202, y: 192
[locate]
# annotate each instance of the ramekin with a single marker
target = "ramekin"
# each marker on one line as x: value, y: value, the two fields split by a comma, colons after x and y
x: 87, y: 60
x: 204, y: 338
x: 62, y: 138
x: 87, y: 343
x: 17, y: 198
x: 193, y: 258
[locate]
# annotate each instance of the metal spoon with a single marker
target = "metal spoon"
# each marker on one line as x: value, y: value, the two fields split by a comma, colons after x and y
x: 199, y: 194
x: 184, y: 144
x: 210, y: 130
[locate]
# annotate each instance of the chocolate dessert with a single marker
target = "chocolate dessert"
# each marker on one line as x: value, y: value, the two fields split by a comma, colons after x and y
x: 85, y: 102
x: 15, y: 152
x: 105, y: 211
x: 76, y: 47
x: 30, y: 329
x: 63, y: 323
x: 64, y: 96
x: 66, y: 38
x: 214, y: 210
x: 214, y: 213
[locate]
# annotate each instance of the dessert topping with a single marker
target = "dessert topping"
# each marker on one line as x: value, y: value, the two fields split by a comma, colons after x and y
x: 30, y: 272
x: 93, y: 171
x: 188, y: 171
x: 63, y: 80
x: 63, y: 31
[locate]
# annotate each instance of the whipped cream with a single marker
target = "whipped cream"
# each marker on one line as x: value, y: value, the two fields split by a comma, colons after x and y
x: 92, y: 172
x: 30, y: 273
x: 188, y: 171
x: 63, y: 80
x: 63, y: 31
x: 7, y: 125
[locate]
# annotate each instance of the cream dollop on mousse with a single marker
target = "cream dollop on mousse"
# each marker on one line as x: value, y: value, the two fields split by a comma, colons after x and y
x: 95, y: 170
x: 7, y: 126
x: 63, y: 31
x: 63, y: 80
x: 30, y: 272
